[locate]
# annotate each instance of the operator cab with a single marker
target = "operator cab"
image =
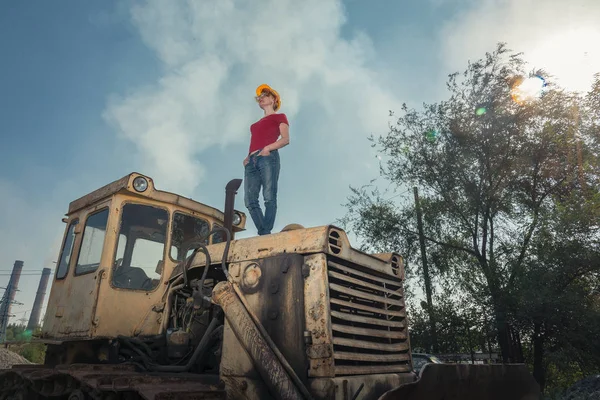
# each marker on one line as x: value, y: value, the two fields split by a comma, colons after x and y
x: 121, y: 244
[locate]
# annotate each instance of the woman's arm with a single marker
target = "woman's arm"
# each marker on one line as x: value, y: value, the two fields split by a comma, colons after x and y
x: 284, y: 140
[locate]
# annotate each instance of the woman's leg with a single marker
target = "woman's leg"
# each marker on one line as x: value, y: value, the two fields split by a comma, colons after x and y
x: 252, y: 184
x: 269, y: 167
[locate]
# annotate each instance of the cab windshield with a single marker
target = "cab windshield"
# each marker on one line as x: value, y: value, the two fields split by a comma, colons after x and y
x: 140, y: 249
x: 187, y: 230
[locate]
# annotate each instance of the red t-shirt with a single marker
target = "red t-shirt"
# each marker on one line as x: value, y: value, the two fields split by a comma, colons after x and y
x: 266, y: 131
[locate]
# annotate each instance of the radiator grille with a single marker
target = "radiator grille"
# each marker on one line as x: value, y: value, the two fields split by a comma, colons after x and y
x: 368, y: 320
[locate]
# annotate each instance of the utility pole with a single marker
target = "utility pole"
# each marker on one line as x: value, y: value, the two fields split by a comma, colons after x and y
x: 426, y: 277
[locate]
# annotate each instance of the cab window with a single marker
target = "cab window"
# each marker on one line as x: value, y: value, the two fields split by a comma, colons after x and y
x: 67, y: 250
x: 218, y: 237
x: 92, y: 243
x: 187, y: 230
x: 140, y: 248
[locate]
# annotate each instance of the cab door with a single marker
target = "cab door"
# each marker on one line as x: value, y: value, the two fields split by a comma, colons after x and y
x: 75, y: 297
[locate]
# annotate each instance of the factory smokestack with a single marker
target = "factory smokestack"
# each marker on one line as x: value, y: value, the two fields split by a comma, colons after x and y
x: 34, y: 318
x: 9, y: 297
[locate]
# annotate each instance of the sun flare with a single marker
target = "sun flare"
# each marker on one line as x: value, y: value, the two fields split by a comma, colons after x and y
x: 572, y: 57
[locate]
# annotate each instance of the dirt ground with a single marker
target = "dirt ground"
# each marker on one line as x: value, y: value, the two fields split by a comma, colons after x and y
x: 9, y: 358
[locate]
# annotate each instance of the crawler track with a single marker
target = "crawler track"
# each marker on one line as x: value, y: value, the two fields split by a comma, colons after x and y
x: 104, y: 382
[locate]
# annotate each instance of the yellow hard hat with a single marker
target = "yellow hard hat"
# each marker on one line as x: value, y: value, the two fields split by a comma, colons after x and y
x: 265, y: 87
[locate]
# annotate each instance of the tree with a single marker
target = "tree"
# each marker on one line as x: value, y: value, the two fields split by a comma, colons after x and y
x: 559, y: 294
x: 462, y: 326
x: 493, y: 164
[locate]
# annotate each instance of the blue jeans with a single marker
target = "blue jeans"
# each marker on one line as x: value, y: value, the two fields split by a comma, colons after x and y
x: 262, y: 171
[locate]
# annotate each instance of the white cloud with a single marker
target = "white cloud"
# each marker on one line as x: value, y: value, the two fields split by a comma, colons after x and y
x: 215, y: 53
x: 561, y: 37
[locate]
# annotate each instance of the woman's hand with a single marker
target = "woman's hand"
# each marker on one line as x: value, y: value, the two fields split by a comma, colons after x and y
x: 264, y: 152
x: 246, y: 161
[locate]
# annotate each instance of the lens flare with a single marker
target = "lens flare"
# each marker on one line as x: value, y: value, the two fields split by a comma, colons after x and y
x: 528, y: 89
x: 432, y: 135
x: 481, y: 111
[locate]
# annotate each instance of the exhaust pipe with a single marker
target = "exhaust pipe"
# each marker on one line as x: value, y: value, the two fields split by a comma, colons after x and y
x: 230, y: 192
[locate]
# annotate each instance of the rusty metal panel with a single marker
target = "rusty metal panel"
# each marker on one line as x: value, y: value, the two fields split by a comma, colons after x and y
x: 363, y: 283
x: 128, y: 313
x: 316, y: 308
x: 319, y: 351
x: 371, y: 369
x: 365, y: 387
x: 252, y: 339
x: 369, y: 332
x: 370, y: 345
x: 305, y: 241
x: 54, y: 309
x: 342, y: 355
x: 339, y: 246
x: 302, y: 241
x: 99, y: 194
x: 363, y: 307
x: 79, y: 306
x: 366, y: 320
x: 123, y: 311
x: 385, y: 257
x: 107, y: 381
x: 72, y: 300
x: 235, y: 360
x: 364, y: 295
x: 242, y: 388
x: 273, y: 289
x: 82, y: 300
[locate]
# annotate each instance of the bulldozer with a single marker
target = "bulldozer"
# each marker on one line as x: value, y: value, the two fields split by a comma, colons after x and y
x: 154, y: 298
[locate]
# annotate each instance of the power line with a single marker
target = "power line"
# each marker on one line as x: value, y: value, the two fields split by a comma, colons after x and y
x: 24, y: 273
x: 398, y: 194
x: 24, y: 270
x: 20, y: 312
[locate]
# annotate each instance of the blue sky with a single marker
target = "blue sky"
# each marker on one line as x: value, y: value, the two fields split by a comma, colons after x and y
x: 94, y: 90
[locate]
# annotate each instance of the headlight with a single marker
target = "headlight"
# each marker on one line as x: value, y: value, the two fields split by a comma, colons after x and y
x: 140, y: 184
x: 237, y: 219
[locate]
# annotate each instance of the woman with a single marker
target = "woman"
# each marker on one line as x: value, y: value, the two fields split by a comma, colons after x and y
x: 262, y: 164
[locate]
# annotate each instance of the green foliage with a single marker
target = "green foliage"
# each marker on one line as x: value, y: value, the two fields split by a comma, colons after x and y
x: 460, y: 324
x: 34, y: 352
x: 511, y: 209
